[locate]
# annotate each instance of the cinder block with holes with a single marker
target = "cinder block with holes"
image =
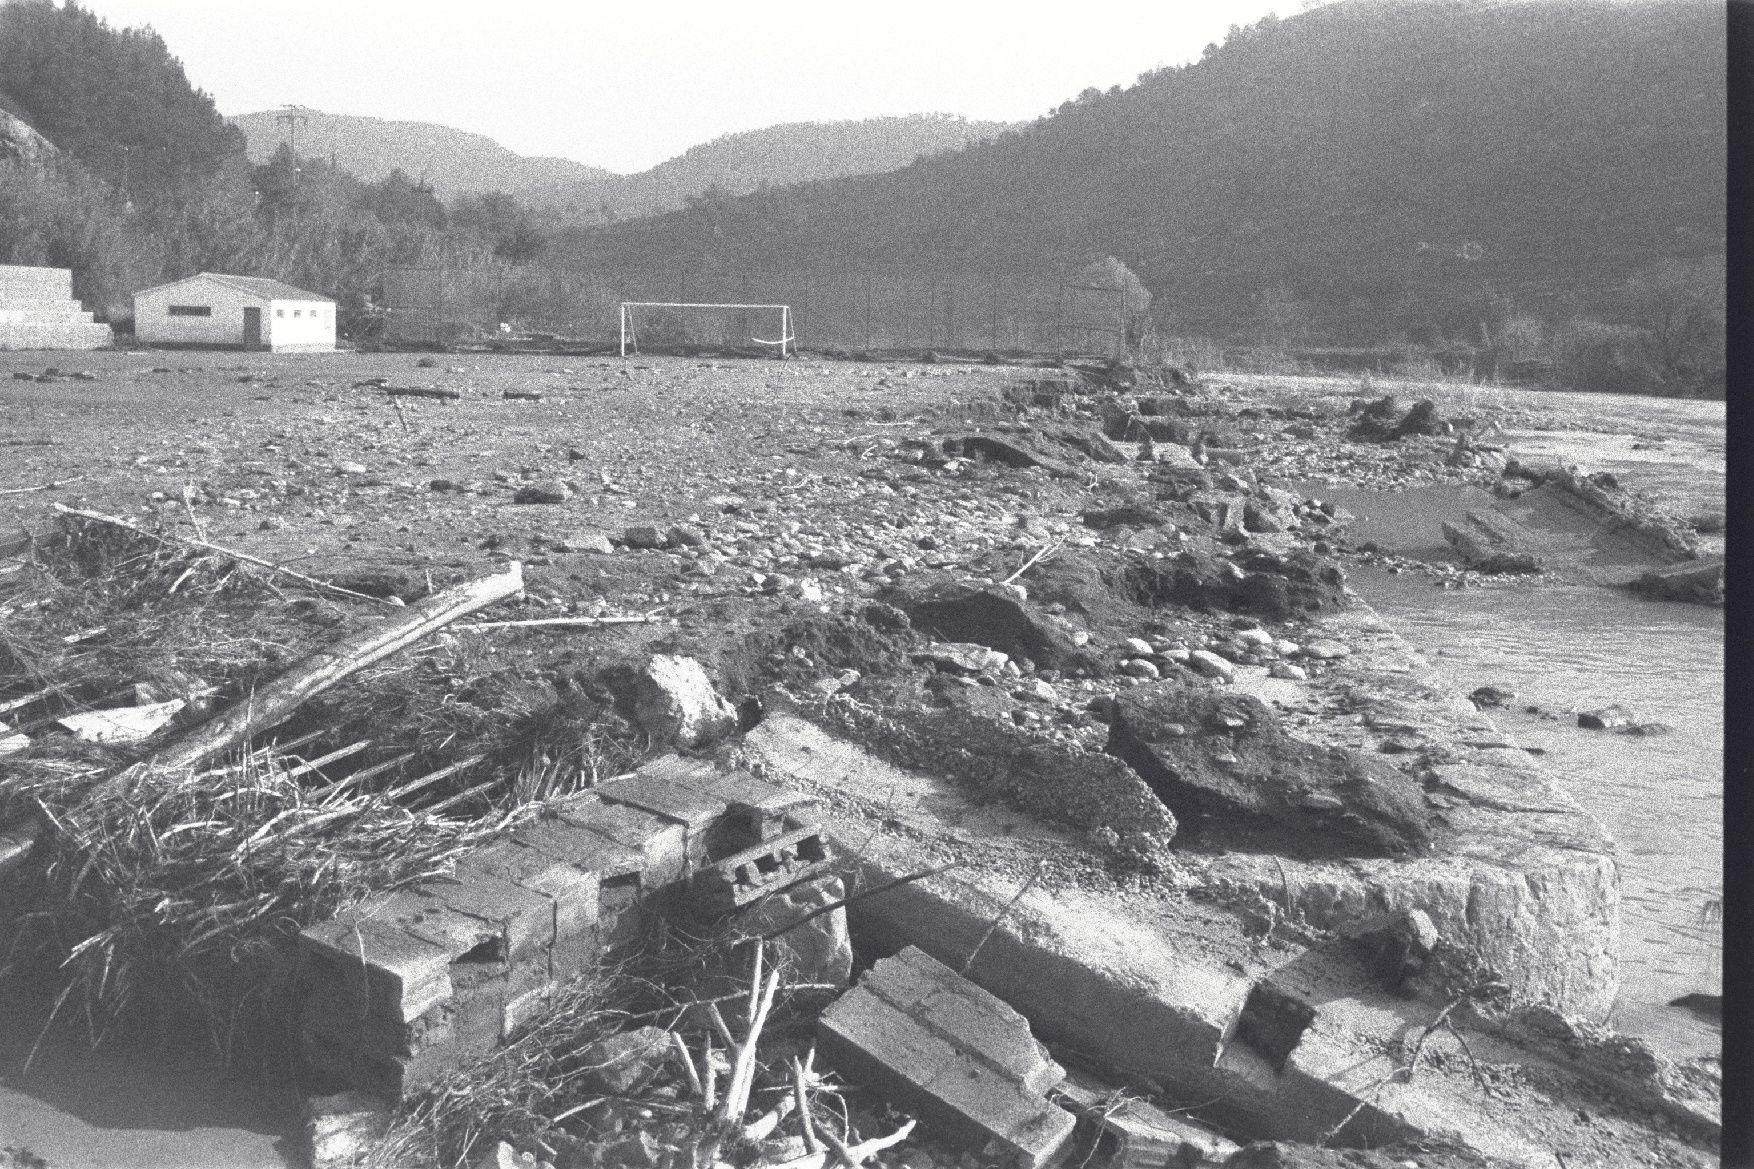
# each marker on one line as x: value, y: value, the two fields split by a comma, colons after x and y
x: 773, y: 864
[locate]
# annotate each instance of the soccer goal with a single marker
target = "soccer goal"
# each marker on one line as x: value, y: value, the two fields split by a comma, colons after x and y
x: 677, y: 323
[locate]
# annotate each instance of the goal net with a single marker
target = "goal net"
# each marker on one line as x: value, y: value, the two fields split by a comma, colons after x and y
x: 670, y: 326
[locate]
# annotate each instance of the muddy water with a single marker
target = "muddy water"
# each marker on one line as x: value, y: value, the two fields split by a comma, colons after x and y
x: 1568, y: 646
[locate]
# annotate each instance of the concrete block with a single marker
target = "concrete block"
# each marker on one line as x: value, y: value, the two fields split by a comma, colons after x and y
x: 762, y: 805
x: 772, y: 865
x: 572, y: 892
x: 982, y: 1023
x: 524, y: 919
x: 661, y: 843
x: 374, y: 968
x: 621, y: 918
x: 377, y: 1073
x: 589, y: 850
x: 944, y: 1060
x: 321, y: 1015
x: 708, y: 828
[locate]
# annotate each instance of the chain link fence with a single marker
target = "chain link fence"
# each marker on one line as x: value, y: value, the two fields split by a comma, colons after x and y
x: 847, y: 311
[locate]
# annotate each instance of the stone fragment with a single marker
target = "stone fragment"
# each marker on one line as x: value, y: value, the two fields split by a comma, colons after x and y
x: 1140, y: 668
x: 963, y: 657
x: 1325, y: 650
x: 622, y: 1063
x: 674, y: 702
x: 962, y: 1059
x: 342, y: 1127
x: 1605, y: 719
x: 550, y: 492
x: 643, y: 536
x: 584, y: 540
x: 815, y: 950
x: 1396, y: 944
x: 1235, y: 774
x: 956, y: 612
x: 1698, y: 581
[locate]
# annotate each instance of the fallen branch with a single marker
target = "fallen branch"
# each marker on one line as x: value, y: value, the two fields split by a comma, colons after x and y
x: 165, y: 537
x: 859, y: 896
x: 42, y: 486
x: 318, y: 671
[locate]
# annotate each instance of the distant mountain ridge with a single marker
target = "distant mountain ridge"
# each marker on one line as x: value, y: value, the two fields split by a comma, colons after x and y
x: 457, y: 162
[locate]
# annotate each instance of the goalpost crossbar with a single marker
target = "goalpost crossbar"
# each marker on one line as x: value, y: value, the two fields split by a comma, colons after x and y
x: 787, y: 337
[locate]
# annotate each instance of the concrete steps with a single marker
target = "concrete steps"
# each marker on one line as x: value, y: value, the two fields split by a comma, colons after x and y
x: 37, y: 311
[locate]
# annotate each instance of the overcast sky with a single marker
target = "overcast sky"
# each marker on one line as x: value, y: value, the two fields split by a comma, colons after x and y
x: 628, y: 84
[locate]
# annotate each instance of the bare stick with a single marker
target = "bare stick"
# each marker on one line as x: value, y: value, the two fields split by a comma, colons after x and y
x: 42, y: 486
x: 847, y: 1154
x: 801, y: 1095
x: 317, y: 672
x: 1041, y: 554
x: 168, y: 538
x: 558, y: 622
x: 968, y: 963
x: 687, y: 1064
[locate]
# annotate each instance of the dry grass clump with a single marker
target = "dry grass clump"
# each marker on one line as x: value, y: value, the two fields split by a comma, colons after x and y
x: 736, y: 1076
x: 175, y: 896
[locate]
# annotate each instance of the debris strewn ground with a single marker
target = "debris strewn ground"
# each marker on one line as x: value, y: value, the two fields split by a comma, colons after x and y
x: 569, y: 878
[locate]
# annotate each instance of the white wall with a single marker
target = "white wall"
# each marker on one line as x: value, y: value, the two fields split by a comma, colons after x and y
x: 153, y: 321
x: 295, y: 325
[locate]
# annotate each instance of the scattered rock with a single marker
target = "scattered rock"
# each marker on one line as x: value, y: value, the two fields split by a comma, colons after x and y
x: 1326, y: 650
x: 553, y: 492
x: 625, y: 1062
x: 1212, y: 665
x: 963, y: 657
x: 674, y: 702
x: 1647, y: 730
x: 1700, y: 582
x: 643, y: 536
x: 1397, y: 944
x: 1606, y: 719
x: 584, y: 540
x: 1490, y: 697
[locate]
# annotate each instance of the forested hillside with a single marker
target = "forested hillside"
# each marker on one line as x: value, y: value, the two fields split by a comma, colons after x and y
x: 147, y: 183
x: 1365, y: 170
x: 454, y: 162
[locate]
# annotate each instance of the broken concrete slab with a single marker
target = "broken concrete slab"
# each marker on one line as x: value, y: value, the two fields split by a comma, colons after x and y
x: 1700, y: 582
x: 1146, y: 1136
x: 807, y: 938
x: 930, y: 1039
x: 1494, y: 543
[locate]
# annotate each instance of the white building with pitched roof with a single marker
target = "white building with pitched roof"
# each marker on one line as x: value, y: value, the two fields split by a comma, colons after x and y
x: 249, y: 312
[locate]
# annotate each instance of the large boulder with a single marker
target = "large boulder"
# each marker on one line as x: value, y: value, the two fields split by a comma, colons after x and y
x: 1229, y: 772
x: 1266, y: 583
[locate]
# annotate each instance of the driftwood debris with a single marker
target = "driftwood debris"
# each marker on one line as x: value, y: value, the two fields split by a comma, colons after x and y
x: 276, y: 702
x: 189, y: 541
x: 564, y: 622
x: 423, y: 392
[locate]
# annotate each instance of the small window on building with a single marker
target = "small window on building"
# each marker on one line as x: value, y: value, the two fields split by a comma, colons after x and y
x: 279, y: 312
x: 191, y: 310
x: 297, y: 312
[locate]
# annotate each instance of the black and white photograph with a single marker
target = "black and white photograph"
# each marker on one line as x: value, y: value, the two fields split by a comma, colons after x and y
x: 780, y: 585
